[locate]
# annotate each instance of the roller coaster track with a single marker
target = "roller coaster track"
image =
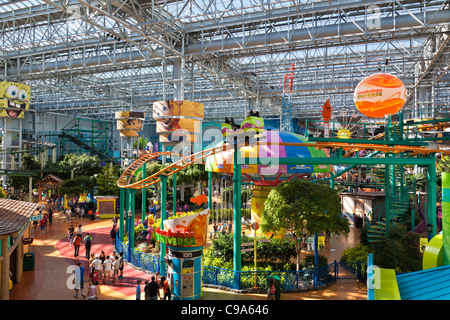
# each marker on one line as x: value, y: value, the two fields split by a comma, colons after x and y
x: 126, y: 177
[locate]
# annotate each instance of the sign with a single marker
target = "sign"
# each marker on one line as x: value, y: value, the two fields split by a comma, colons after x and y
x: 188, y: 231
x: 37, y: 217
x: 246, y: 244
x: 255, y: 226
x: 263, y: 240
x: 379, y: 95
x: 246, y: 250
x: 27, y: 240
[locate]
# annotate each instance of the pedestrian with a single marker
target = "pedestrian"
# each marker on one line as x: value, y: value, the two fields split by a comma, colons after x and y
x: 87, y: 245
x: 82, y: 212
x: 121, y: 264
x: 70, y: 232
x: 76, y: 245
x: 96, y: 265
x: 229, y: 226
x: 166, y: 288
x: 91, y: 258
x: 93, y: 290
x: 271, y: 289
x: 146, y: 290
x: 68, y: 214
x: 79, y: 279
x: 102, y: 256
x: 114, y: 221
x: 80, y: 230
x: 107, y: 268
x: 138, y: 290
x: 116, y: 265
x: 97, y: 215
x: 42, y: 225
x: 50, y: 216
x: 113, y: 235
x: 153, y: 289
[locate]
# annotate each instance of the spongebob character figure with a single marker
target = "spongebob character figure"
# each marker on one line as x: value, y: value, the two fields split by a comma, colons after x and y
x: 14, y: 99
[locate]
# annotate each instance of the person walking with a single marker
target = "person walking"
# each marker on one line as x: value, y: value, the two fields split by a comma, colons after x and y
x: 42, y: 225
x: 50, y: 216
x: 80, y: 230
x: 87, y: 245
x: 107, y: 268
x: 76, y: 245
x: 138, y: 290
x: 271, y: 289
x: 153, y: 289
x: 116, y: 266
x: 113, y: 235
x: 79, y: 279
x: 166, y: 288
x: 70, y: 232
x: 93, y: 290
x: 96, y: 265
x: 121, y: 263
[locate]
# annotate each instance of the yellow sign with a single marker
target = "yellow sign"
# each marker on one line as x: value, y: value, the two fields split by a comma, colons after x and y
x: 321, y: 242
x: 14, y: 99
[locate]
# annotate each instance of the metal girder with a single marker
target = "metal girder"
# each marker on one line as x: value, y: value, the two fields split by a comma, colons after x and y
x: 92, y: 53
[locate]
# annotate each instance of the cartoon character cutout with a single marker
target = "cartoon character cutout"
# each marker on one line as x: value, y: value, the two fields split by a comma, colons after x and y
x: 14, y: 99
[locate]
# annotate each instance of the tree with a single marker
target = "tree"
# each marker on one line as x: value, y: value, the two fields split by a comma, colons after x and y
x: 76, y: 186
x: 300, y: 206
x: 107, y: 180
x: 29, y: 163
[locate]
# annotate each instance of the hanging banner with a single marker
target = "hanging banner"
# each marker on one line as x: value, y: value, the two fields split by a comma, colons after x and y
x: 14, y: 99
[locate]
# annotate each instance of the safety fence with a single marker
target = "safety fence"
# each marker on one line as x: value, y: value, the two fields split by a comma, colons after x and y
x: 241, y: 280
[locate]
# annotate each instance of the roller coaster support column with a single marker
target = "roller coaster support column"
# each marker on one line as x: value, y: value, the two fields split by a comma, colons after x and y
x: 130, y: 215
x: 144, y: 192
x: 237, y: 218
x: 122, y: 208
x: 446, y: 217
x: 431, y: 186
x: 174, y: 194
x: 210, y: 191
x: 163, y: 217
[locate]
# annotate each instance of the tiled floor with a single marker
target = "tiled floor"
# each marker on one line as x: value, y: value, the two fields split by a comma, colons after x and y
x: 54, y: 256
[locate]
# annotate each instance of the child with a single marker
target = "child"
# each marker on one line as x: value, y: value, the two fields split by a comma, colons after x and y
x: 92, y: 290
x: 271, y: 289
x: 138, y: 290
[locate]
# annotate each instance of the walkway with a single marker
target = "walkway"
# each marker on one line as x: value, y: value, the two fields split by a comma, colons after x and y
x: 53, y: 256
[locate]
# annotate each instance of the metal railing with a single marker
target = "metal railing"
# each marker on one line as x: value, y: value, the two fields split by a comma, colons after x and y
x: 289, y: 280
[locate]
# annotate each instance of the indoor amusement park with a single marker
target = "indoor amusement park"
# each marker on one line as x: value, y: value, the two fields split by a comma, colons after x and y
x: 244, y: 151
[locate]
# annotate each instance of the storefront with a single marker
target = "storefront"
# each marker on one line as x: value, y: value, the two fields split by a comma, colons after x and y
x: 15, y: 235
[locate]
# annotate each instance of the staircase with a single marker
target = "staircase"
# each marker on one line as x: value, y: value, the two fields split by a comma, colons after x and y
x: 395, y: 207
x: 101, y: 155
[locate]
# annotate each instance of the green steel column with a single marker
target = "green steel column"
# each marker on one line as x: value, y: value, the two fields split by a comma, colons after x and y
x: 122, y: 207
x: 133, y: 209
x: 144, y: 192
x: 163, y: 217
x: 210, y: 190
x: 237, y: 218
x: 174, y: 194
x: 387, y: 197
x: 431, y: 183
x: 446, y: 216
